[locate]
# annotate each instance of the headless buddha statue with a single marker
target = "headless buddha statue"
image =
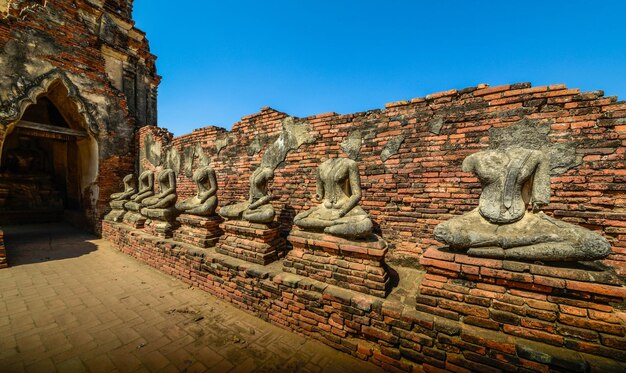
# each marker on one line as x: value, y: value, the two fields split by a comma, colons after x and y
x: 257, y: 209
x: 166, y: 197
x: 501, y: 227
x: 205, y: 201
x: 119, y: 199
x: 130, y: 188
x: 338, y: 188
x: 146, y: 186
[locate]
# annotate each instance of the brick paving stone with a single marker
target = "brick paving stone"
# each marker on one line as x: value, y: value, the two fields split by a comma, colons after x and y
x: 70, y: 303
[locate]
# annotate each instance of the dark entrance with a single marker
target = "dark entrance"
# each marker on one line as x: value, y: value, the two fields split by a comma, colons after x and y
x: 46, y: 162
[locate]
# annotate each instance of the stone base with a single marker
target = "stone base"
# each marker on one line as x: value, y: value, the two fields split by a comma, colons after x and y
x: 134, y: 219
x: 160, y: 222
x: 3, y: 253
x: 201, y: 231
x: 115, y: 216
x: 356, y: 265
x: 255, y: 243
x: 569, y: 305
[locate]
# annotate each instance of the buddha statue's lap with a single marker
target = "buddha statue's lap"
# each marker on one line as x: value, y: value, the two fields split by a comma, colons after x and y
x: 502, y: 228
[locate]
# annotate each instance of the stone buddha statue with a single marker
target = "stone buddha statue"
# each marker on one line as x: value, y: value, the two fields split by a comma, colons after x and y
x: 119, y: 199
x: 130, y: 188
x: 257, y: 209
x: 146, y: 186
x: 338, y: 188
x: 166, y: 196
x: 512, y: 178
x: 205, y: 201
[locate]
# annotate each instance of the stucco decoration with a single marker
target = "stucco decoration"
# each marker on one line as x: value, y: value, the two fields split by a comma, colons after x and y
x: 391, y: 147
x: 173, y: 159
x: 295, y: 132
x: 512, y: 178
x: 338, y: 189
x: 152, y: 151
x: 352, y: 144
x: 534, y: 134
x: 15, y: 100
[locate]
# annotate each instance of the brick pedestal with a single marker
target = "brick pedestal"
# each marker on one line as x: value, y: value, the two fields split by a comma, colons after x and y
x: 117, y: 212
x: 133, y: 216
x: 570, y: 305
x: 3, y: 253
x: 355, y: 265
x: 201, y: 231
x: 160, y: 222
x: 255, y: 243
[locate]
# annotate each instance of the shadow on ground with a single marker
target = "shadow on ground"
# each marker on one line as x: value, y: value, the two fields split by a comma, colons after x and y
x: 35, y: 243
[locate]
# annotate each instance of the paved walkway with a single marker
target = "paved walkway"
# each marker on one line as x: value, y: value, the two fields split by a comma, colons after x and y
x: 70, y: 303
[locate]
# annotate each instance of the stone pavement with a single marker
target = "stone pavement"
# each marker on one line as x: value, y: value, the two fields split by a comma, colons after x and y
x: 70, y: 303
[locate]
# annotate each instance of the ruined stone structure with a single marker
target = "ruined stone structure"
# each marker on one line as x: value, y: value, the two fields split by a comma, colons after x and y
x: 420, y: 257
x: 401, y: 298
x: 78, y: 80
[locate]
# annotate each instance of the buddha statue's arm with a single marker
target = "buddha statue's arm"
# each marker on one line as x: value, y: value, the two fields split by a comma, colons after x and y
x: 150, y: 183
x: 212, y: 187
x: 261, y: 201
x: 355, y: 186
x: 541, y: 182
x: 319, y: 186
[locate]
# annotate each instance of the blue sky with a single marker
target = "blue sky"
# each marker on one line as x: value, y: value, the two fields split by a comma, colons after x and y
x: 221, y: 60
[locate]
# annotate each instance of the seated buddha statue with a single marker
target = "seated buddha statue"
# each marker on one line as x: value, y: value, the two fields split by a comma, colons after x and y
x: 166, y: 196
x: 119, y: 199
x: 130, y: 188
x: 501, y: 227
x: 205, y: 200
x: 146, y: 189
x: 338, y: 188
x: 257, y: 209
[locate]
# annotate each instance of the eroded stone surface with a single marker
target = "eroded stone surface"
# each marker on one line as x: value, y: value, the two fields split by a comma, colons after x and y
x: 257, y: 209
x: 205, y: 200
x: 392, y: 147
x: 512, y: 178
x: 338, y: 188
x: 119, y: 199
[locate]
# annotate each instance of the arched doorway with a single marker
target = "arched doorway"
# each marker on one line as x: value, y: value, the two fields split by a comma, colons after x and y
x: 48, y: 160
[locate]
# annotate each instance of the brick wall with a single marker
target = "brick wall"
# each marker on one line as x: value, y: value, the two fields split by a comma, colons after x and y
x: 422, y: 185
x: 510, y: 336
